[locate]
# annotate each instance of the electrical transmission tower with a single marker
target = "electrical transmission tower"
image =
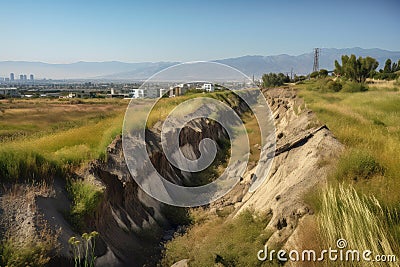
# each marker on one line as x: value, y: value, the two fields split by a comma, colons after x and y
x: 316, y: 59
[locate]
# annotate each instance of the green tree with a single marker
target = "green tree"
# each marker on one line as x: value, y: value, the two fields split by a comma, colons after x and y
x: 389, y: 71
x: 338, y: 69
x: 323, y: 73
x: 388, y: 66
x: 314, y: 74
x: 273, y: 79
x: 356, y: 69
x: 367, y: 69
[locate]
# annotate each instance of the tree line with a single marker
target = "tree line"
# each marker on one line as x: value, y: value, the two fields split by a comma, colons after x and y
x: 359, y: 69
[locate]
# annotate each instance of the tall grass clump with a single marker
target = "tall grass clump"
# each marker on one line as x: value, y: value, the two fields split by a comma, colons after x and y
x: 28, y: 167
x: 86, y: 198
x: 360, y: 220
x: 353, y: 87
x: 357, y: 164
x: 35, y: 255
x: 30, y: 251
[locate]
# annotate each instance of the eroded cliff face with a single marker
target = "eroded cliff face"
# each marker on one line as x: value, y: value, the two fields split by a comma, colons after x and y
x: 131, y: 223
x: 304, y: 150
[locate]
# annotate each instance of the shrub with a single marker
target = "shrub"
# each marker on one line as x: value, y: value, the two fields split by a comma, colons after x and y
x: 353, y: 87
x: 86, y: 198
x: 385, y: 76
x: 323, y: 73
x: 314, y: 74
x: 273, y: 79
x: 325, y: 85
x: 356, y: 165
x: 334, y: 86
x: 176, y: 215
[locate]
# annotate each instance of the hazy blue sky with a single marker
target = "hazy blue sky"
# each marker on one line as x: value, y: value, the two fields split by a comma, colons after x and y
x: 132, y: 31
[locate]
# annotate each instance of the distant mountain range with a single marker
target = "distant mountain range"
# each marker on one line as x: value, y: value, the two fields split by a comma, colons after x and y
x: 250, y: 65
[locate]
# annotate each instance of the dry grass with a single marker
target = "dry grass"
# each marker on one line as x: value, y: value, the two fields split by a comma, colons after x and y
x: 358, y: 219
x: 381, y: 84
x: 24, y: 118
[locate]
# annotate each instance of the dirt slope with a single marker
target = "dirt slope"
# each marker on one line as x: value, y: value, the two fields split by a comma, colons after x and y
x: 304, y: 148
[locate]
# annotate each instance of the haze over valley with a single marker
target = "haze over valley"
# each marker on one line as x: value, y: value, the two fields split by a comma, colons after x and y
x: 250, y: 65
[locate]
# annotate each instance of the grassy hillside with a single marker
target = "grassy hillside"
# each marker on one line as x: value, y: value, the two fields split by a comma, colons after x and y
x: 61, y: 132
x: 368, y: 124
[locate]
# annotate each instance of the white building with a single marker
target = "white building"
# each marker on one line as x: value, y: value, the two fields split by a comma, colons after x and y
x: 209, y: 87
x: 162, y: 92
x: 136, y: 93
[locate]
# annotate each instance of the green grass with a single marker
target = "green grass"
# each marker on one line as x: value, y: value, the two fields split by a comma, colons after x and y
x: 232, y: 242
x: 368, y: 124
x: 86, y: 199
x: 27, y: 167
x: 44, y: 138
x: 361, y: 203
x: 358, y: 165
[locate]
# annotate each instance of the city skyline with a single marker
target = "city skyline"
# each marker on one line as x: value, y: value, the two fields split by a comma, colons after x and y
x: 22, y: 78
x: 97, y: 31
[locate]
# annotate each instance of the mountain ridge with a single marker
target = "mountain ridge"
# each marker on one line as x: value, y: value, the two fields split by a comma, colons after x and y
x: 248, y: 64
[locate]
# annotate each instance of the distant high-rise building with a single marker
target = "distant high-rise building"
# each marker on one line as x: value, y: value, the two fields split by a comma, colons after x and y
x: 21, y: 77
x: 31, y: 77
x: 24, y: 77
x: 11, y: 76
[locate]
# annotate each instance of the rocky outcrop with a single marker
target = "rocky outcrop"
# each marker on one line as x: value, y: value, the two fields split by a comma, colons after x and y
x: 304, y: 147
